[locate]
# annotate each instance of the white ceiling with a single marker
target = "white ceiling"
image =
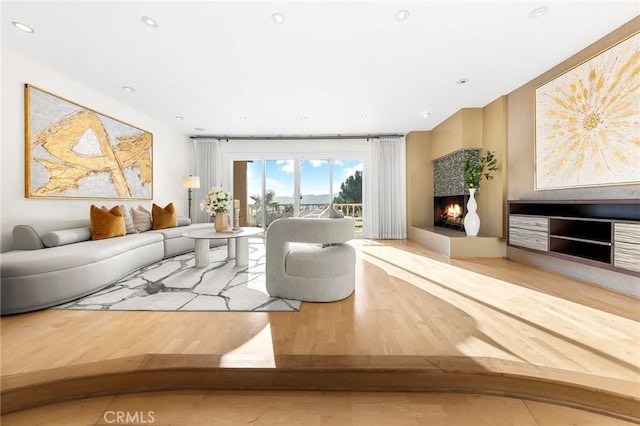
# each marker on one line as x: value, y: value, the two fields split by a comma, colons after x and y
x: 348, y: 67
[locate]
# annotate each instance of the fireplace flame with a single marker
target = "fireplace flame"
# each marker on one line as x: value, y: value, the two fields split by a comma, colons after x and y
x: 453, y: 210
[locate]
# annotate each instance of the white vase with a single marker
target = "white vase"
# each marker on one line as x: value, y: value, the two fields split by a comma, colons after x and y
x: 471, y: 219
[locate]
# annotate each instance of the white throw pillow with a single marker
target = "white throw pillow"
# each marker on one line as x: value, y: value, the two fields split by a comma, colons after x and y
x: 128, y: 220
x: 141, y: 219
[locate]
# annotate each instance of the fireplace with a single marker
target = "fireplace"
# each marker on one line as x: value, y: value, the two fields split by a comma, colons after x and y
x: 449, y: 211
x: 450, y: 196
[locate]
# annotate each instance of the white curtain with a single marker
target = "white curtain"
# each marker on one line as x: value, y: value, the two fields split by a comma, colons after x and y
x: 208, y: 165
x: 388, y: 196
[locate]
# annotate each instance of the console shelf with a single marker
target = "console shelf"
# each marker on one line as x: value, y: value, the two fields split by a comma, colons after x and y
x: 598, y: 232
x: 582, y: 240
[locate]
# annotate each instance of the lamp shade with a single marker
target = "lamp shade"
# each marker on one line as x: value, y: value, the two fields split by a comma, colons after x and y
x: 191, y: 181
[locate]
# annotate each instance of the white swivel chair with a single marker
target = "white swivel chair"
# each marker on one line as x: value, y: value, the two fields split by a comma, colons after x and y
x: 308, y: 260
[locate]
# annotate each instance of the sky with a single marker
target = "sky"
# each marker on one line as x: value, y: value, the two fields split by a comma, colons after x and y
x: 314, y: 176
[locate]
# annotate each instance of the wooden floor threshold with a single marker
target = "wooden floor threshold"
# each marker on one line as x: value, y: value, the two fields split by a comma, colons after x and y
x: 487, y: 376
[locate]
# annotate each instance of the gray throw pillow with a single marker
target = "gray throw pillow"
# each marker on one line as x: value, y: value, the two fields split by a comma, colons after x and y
x: 66, y: 236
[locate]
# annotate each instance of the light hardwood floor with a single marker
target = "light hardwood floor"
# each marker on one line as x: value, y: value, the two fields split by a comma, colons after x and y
x: 417, y: 321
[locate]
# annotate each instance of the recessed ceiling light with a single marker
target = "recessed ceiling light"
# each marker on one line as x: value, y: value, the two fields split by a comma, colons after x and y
x: 128, y: 89
x: 150, y: 22
x: 402, y: 15
x: 538, y: 12
x: 278, y: 18
x: 462, y: 81
x: 179, y: 117
x: 23, y: 27
x: 200, y: 129
x: 426, y: 114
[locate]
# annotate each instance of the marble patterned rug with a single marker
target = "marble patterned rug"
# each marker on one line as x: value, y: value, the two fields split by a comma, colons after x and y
x: 175, y: 284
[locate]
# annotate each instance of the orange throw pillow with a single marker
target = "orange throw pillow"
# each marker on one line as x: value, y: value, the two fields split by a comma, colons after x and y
x: 107, y: 223
x: 164, y: 217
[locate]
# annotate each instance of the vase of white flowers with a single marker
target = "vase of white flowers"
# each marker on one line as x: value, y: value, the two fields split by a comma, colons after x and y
x: 218, y: 203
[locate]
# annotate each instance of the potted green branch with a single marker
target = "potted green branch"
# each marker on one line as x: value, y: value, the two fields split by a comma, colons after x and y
x: 473, y: 170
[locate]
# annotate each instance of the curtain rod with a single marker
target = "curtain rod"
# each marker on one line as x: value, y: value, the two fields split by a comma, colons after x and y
x: 294, y: 137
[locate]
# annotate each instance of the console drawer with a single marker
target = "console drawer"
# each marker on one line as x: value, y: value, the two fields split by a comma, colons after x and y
x: 529, y: 232
x: 626, y: 246
x: 529, y: 222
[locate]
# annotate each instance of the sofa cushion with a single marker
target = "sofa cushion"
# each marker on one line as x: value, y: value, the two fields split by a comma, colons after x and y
x: 163, y: 217
x: 23, y: 262
x: 107, y: 224
x: 66, y: 236
x: 141, y: 218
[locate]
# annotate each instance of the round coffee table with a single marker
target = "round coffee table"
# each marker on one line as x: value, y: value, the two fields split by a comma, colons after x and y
x: 241, y: 238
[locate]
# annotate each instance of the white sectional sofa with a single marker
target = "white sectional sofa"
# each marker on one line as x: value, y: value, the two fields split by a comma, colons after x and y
x: 54, y: 263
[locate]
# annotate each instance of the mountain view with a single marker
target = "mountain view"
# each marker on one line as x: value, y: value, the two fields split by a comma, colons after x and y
x: 306, y: 199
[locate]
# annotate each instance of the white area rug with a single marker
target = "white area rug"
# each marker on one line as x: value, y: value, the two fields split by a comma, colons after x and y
x: 175, y: 284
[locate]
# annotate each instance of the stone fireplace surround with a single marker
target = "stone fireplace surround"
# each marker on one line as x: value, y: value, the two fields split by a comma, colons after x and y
x: 449, y: 188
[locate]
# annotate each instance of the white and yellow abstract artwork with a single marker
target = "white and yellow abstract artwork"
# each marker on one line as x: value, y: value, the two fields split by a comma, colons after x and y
x: 587, y: 122
x: 74, y: 152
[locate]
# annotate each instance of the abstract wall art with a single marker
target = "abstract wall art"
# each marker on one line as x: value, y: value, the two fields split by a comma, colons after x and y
x: 74, y: 152
x: 587, y: 122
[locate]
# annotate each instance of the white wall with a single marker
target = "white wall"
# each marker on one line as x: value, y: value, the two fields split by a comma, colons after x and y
x: 170, y: 149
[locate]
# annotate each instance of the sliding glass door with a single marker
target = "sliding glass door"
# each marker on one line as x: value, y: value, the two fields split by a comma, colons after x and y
x: 254, y: 191
x: 284, y: 188
x: 347, y: 175
x: 315, y: 184
x: 279, y: 181
x: 270, y: 191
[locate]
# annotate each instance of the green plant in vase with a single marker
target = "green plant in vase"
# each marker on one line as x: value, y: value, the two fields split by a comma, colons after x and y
x: 475, y: 169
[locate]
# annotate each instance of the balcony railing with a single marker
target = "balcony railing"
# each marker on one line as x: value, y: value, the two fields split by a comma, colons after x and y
x: 276, y: 211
